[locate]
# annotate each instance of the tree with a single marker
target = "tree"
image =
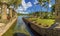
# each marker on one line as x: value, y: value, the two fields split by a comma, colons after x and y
x: 42, y: 3
x: 53, y: 9
x: 17, y: 3
x: 12, y: 2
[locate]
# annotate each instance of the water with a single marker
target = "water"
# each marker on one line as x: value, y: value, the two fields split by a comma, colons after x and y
x: 21, y: 27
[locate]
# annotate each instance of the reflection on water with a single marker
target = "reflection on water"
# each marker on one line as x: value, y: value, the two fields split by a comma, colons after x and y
x: 19, y: 34
x: 21, y: 27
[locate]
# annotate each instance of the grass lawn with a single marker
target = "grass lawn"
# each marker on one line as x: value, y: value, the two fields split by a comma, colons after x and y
x: 43, y: 22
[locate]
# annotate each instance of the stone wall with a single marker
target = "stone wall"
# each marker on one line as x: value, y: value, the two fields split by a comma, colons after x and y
x: 57, y: 10
x: 43, y: 31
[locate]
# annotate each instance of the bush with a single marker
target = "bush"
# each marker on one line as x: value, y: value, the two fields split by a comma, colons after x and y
x: 45, y: 17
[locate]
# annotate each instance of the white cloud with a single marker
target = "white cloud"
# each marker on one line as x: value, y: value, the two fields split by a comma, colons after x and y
x: 29, y: 4
x: 24, y: 12
x: 50, y: 5
x: 26, y: 5
x: 35, y: 2
x: 20, y: 8
x: 23, y: 4
x: 23, y: 7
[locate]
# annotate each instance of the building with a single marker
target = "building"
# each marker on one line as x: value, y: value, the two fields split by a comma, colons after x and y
x: 57, y: 10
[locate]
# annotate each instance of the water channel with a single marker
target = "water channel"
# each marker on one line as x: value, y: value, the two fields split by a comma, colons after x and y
x: 22, y: 27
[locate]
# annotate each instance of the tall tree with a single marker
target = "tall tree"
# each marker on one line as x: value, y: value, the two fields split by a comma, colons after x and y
x: 9, y: 2
x: 53, y: 9
x: 17, y: 3
x: 42, y: 3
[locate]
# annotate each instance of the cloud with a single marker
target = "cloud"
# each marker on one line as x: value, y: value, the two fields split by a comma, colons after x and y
x: 20, y: 8
x: 26, y: 5
x: 29, y: 4
x: 35, y: 2
x: 23, y: 12
x: 50, y: 5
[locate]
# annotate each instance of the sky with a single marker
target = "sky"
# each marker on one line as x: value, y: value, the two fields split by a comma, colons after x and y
x: 29, y: 6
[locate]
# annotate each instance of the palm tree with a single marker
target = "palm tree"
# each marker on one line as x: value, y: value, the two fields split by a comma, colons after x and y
x: 17, y: 3
x: 48, y: 1
x: 9, y: 2
x: 42, y: 3
x: 53, y: 9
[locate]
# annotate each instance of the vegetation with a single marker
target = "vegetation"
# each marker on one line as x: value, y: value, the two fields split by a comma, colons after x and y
x: 42, y: 22
x: 53, y: 9
x: 15, y: 3
x: 44, y: 15
x: 46, y: 19
x: 42, y: 3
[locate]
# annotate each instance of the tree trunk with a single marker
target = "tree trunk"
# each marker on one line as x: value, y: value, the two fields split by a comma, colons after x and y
x: 0, y: 11
x: 10, y: 12
x: 4, y: 11
x: 41, y: 12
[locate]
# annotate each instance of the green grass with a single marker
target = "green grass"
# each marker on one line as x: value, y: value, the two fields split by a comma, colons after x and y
x: 43, y: 22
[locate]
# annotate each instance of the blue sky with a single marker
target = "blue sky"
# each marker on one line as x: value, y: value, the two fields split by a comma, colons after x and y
x: 32, y: 8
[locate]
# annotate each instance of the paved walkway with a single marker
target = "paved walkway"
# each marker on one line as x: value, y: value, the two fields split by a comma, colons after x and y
x: 5, y: 28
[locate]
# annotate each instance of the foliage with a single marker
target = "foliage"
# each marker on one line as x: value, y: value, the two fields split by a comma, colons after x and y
x: 53, y: 8
x: 17, y: 3
x: 44, y: 15
x: 12, y: 2
x: 43, y: 1
x: 36, y: 14
x: 43, y: 22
